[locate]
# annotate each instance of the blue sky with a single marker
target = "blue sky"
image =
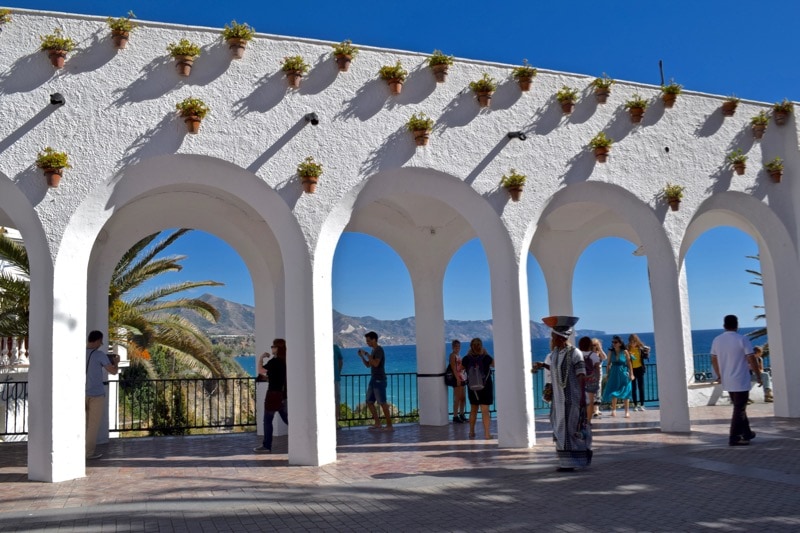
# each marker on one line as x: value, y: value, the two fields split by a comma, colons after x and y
x: 714, y: 46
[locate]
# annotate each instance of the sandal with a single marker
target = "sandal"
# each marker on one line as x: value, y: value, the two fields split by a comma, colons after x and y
x: 472, y: 435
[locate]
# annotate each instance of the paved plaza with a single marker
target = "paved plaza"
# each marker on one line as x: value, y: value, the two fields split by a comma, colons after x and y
x: 428, y: 479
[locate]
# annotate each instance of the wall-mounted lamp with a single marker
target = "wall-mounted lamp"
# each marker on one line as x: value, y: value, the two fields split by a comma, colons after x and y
x: 312, y: 118
x: 517, y: 135
x: 57, y: 99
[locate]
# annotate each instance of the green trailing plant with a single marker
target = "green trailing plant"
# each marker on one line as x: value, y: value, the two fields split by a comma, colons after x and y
x: 5, y: 16
x: 345, y: 48
x: 673, y: 192
x: 184, y: 47
x: 733, y: 99
x: 567, y: 94
x: 419, y: 121
x: 393, y: 72
x: 603, y: 82
x: 309, y: 168
x: 737, y: 157
x: 774, y: 165
x: 193, y: 107
x: 56, y: 41
x: 50, y: 158
x: 601, y: 140
x: 122, y: 24
x: 524, y: 71
x: 295, y: 63
x: 238, y: 31
x: 672, y: 88
x: 783, y: 107
x: 762, y: 119
x: 513, y: 179
x: 636, y: 102
x: 486, y: 84
x: 440, y: 58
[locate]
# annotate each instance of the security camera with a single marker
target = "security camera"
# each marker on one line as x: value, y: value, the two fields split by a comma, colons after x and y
x: 312, y: 118
x: 57, y: 99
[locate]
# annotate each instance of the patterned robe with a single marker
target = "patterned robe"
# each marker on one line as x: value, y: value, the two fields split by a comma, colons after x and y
x: 571, y: 430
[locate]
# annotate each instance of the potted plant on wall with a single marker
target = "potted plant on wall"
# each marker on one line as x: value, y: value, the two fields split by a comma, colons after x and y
x: 738, y: 160
x: 294, y: 67
x: 394, y: 75
x: 514, y: 183
x: 636, y: 106
x: 193, y: 110
x: 421, y: 126
x: 344, y: 53
x: 781, y: 111
x: 775, y: 169
x: 121, y: 29
x: 184, y: 52
x: 567, y: 96
x: 237, y: 36
x: 56, y: 46
x: 670, y: 92
x: 440, y: 64
x: 729, y: 105
x: 5, y: 16
x: 673, y: 194
x: 524, y: 75
x: 53, y: 163
x: 602, y: 88
x: 601, y: 144
x: 309, y: 172
x: 759, y: 124
x: 484, y: 88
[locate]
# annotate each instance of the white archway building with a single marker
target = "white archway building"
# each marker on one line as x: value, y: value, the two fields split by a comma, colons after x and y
x: 137, y: 171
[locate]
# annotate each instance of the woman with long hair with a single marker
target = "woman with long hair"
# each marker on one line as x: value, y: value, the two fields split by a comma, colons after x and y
x: 481, y: 389
x: 620, y: 375
x: 275, y: 402
x: 636, y: 350
x: 459, y: 395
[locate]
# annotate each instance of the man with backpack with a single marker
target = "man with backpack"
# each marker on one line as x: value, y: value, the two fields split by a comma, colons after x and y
x: 478, y: 365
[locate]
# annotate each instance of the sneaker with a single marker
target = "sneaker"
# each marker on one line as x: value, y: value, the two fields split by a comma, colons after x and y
x: 641, y: 408
x: 262, y: 449
x: 739, y: 442
x: 94, y: 456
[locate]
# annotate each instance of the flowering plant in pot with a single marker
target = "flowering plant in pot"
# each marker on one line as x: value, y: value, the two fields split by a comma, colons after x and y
x: 670, y: 92
x: 601, y: 144
x: 566, y: 96
x: 636, y: 106
x: 53, y: 163
x: 121, y: 29
x: 514, y: 182
x: 775, y: 169
x: 483, y: 89
x: 673, y: 194
x: 781, y: 111
x: 394, y: 75
x: 440, y: 64
x: 738, y: 160
x: 294, y: 67
x: 420, y: 125
x: 193, y: 110
x: 309, y: 172
x: 57, y: 47
x: 344, y: 53
x: 759, y: 124
x: 237, y: 36
x: 729, y: 105
x: 602, y: 88
x: 5, y: 16
x: 184, y: 52
x: 524, y: 75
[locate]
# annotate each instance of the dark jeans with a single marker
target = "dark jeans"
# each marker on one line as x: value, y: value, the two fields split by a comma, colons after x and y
x: 638, y: 383
x: 268, y: 417
x: 740, y: 425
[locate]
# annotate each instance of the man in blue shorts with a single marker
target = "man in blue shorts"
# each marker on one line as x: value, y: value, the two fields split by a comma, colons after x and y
x: 376, y: 390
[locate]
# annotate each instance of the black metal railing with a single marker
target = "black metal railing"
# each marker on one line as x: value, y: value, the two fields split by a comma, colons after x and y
x: 401, y: 394
x: 14, y: 415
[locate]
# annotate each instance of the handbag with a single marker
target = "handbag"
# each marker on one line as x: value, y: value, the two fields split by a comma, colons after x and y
x: 449, y: 377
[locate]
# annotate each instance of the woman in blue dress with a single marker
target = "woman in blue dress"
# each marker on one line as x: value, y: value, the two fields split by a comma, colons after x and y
x: 620, y: 375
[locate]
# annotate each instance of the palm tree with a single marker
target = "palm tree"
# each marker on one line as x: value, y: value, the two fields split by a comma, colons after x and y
x: 14, y: 289
x: 760, y: 332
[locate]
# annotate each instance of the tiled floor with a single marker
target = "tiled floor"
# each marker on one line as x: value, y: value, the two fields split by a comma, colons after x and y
x: 429, y: 479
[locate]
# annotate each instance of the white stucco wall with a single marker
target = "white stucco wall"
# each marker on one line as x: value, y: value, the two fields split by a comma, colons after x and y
x: 134, y: 163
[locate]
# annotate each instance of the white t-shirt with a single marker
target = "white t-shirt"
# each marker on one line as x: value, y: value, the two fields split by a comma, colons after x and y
x: 732, y: 350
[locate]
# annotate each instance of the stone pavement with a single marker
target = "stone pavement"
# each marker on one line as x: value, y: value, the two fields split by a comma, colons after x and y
x: 429, y: 479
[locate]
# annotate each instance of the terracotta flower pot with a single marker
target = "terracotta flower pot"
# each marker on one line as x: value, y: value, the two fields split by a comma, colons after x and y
x: 669, y: 99
x: 395, y: 85
x: 601, y: 153
x: 567, y: 106
x: 294, y: 77
x: 601, y: 95
x: 515, y: 192
x: 120, y: 38
x: 343, y: 62
x: 183, y: 64
x: 440, y: 72
x: 421, y: 137
x: 780, y: 117
x: 525, y: 83
x: 776, y: 175
x: 57, y: 57
x: 53, y: 176
x: 739, y: 168
x: 758, y: 130
x: 674, y: 203
x: 636, y: 114
x: 237, y: 47
x: 484, y: 98
x: 192, y: 123
x: 310, y: 184
x: 729, y: 108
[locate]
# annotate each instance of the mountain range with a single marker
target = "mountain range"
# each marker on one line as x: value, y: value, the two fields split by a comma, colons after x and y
x: 239, y: 319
